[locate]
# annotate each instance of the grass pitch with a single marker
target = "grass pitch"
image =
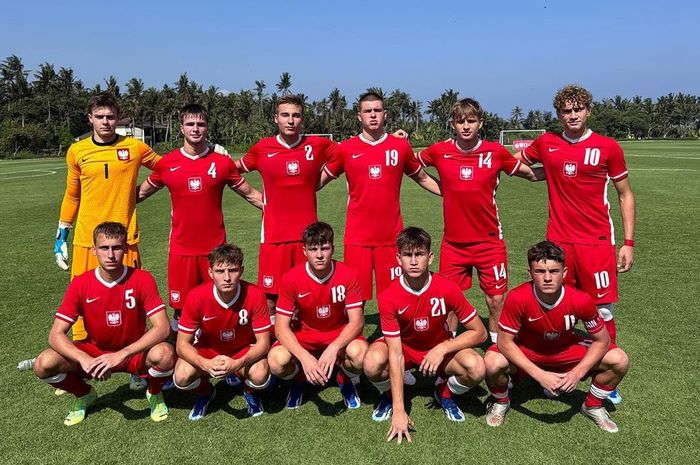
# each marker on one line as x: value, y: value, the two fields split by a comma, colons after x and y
x: 656, y: 325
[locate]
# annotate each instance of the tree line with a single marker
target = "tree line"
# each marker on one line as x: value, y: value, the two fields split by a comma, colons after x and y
x: 42, y: 111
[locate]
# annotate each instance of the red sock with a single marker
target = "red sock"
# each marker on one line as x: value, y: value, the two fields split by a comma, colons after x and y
x: 342, y: 377
x: 596, y: 394
x: 612, y: 330
x: 443, y: 391
x: 204, y: 388
x: 156, y: 383
x: 500, y: 393
x: 73, y: 384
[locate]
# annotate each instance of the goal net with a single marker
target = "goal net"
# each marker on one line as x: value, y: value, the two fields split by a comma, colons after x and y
x: 519, y: 139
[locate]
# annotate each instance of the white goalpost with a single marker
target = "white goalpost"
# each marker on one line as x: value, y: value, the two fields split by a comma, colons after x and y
x: 519, y: 139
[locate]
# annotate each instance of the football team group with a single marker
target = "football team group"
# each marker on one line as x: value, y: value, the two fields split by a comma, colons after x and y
x: 302, y: 323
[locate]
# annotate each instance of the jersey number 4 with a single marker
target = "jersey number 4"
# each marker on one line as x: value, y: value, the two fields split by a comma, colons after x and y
x: 212, y: 170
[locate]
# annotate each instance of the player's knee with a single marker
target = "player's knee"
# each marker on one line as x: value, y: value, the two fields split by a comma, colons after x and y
x: 45, y: 364
x: 495, y: 303
x: 376, y: 360
x: 279, y: 360
x: 356, y: 352
x: 259, y: 372
x: 474, y: 366
x: 495, y: 364
x: 163, y: 355
x: 619, y: 361
x: 184, y: 374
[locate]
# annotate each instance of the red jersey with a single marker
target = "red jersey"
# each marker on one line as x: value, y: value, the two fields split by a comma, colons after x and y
x: 547, y: 329
x: 374, y: 171
x: 420, y: 318
x: 226, y: 327
x: 290, y: 175
x: 319, y: 304
x: 469, y: 180
x: 196, y: 184
x: 577, y: 181
x: 114, y: 312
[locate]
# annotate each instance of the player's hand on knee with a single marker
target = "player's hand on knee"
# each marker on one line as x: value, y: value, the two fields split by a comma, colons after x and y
x: 313, y: 371
x: 401, y: 423
x: 327, y: 360
x: 431, y: 362
x: 551, y: 381
x: 60, y: 246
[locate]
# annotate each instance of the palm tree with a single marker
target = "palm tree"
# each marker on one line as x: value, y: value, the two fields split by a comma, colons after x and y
x: 285, y: 83
x: 14, y: 84
x: 260, y: 95
x: 45, y: 86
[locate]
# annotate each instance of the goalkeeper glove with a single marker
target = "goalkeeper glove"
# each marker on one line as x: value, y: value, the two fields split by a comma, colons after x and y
x: 60, y: 246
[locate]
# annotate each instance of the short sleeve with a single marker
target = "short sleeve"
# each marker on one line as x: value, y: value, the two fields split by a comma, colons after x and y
x: 155, y: 179
x: 353, y: 297
x: 388, y: 318
x: 335, y: 165
x: 459, y: 304
x: 533, y: 153
x: 70, y: 308
x: 587, y: 312
x: 260, y: 313
x: 151, y: 302
x: 191, y: 315
x: 617, y: 167
x: 510, y: 320
x: 234, y: 178
x: 509, y: 164
x: 411, y: 165
x: 249, y: 162
x: 426, y: 157
x: 286, y: 300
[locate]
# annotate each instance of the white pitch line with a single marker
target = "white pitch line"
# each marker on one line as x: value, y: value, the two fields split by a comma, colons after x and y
x: 661, y: 156
x: 662, y: 169
x: 41, y: 174
x: 44, y: 168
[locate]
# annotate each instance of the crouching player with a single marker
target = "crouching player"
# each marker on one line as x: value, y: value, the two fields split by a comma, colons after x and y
x: 537, y: 339
x: 413, y: 313
x: 114, y: 301
x: 232, y: 327
x: 319, y: 322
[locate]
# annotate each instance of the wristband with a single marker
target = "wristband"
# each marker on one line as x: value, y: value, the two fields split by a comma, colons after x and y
x: 628, y: 243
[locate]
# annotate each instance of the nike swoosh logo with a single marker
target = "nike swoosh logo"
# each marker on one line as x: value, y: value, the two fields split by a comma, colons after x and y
x: 89, y: 301
x: 175, y: 168
x: 403, y: 309
x: 498, y: 286
x: 357, y: 155
x: 207, y: 318
x: 301, y: 296
x: 448, y: 156
x: 270, y: 155
x: 530, y: 319
x: 553, y: 149
x: 85, y: 159
x: 603, y: 294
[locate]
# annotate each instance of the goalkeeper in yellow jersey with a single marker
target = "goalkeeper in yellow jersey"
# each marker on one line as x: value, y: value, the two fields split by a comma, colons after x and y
x: 100, y: 186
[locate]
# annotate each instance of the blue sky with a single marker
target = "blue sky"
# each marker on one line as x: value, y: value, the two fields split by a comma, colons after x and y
x: 502, y: 53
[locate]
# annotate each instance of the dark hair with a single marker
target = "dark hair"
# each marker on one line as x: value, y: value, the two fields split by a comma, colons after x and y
x: 229, y: 254
x: 318, y: 233
x: 104, y: 99
x: 573, y: 94
x: 194, y: 109
x: 546, y: 250
x: 413, y: 238
x: 370, y: 97
x: 111, y: 230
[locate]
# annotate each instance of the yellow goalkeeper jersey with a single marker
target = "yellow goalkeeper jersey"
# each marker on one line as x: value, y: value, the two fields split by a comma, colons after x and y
x: 101, y: 185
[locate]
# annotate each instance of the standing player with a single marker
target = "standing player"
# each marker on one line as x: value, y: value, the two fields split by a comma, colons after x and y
x: 413, y: 313
x: 538, y: 340
x: 196, y: 176
x: 578, y: 164
x: 374, y: 163
x: 320, y: 317
x: 232, y: 327
x: 290, y: 166
x: 100, y: 184
x: 469, y: 170
x: 114, y: 301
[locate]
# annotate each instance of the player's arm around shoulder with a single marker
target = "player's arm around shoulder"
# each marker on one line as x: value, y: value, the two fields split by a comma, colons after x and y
x: 628, y: 212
